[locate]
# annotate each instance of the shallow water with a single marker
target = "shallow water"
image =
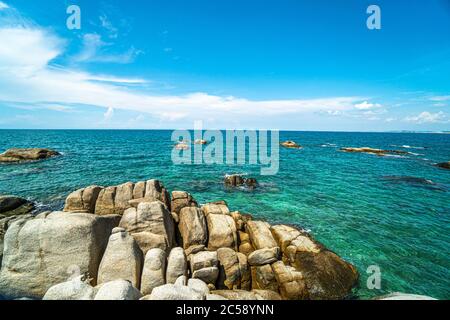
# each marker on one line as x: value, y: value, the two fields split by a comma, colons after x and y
x: 349, y: 201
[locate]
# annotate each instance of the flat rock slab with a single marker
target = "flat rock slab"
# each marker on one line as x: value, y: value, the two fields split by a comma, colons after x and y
x: 27, y: 154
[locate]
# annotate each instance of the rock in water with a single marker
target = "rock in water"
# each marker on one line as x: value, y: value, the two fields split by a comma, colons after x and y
x: 176, y: 265
x: 75, y: 289
x: 291, y: 144
x: 151, y: 225
x: 444, y: 165
x: 40, y: 253
x: 13, y: 206
x: 118, y: 290
x: 154, y: 271
x: 26, y: 154
x: 236, y: 180
x: 122, y: 259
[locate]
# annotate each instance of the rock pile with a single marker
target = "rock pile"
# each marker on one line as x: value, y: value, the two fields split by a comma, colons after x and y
x: 133, y: 242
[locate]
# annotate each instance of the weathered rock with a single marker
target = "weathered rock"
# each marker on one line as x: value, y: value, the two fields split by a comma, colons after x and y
x: 291, y: 144
x: 192, y: 227
x: 124, y: 193
x: 444, y: 165
x: 260, y: 235
x: 245, y: 245
x: 236, y: 180
x: 118, y: 290
x: 122, y: 259
x: 263, y: 256
x: 39, y: 253
x: 208, y: 275
x: 181, y: 281
x: 151, y: 225
x: 13, y: 206
x: 222, y: 232
x: 378, y: 152
x: 182, y: 199
x: 176, y: 265
x: 235, y: 294
x: 105, y: 201
x: 203, y: 259
x: 291, y: 282
x: 82, y: 200
x: 233, y: 270
x: 212, y: 296
x: 198, y: 286
x: 326, y: 275
x: 74, y: 289
x: 194, y: 249
x: 266, y: 294
x: 218, y: 207
x: 263, y: 278
x: 155, y: 189
x: 404, y: 296
x: 154, y: 271
x: 26, y: 154
x: 173, y: 292
x: 5, y: 222
x: 139, y: 190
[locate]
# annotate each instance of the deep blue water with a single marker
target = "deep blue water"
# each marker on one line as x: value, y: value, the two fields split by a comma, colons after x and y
x: 355, y: 204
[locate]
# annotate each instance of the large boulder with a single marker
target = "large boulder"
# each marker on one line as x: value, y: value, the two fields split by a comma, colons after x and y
x: 122, y: 259
x: 235, y: 294
x: 192, y: 226
x: 82, y: 200
x: 26, y: 154
x: 234, y: 270
x: 151, y: 224
x: 174, y: 292
x: 260, y: 235
x: 264, y: 256
x: 222, y: 232
x: 154, y: 271
x: 182, y: 199
x: 291, y: 282
x: 156, y: 190
x: 13, y: 206
x: 263, y: 278
x: 204, y: 266
x: 117, y: 290
x: 198, y: 286
x: 39, y: 253
x: 266, y: 294
x: 105, y: 201
x: 124, y: 193
x: 176, y: 265
x: 75, y: 289
x: 218, y: 207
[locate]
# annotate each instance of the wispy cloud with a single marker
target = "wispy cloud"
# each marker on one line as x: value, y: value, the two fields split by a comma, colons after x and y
x: 3, y: 5
x: 440, y: 98
x: 367, y: 105
x: 428, y: 117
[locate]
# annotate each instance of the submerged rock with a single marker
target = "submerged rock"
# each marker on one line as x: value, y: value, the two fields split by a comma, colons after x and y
x: 26, y: 154
x: 291, y: 144
x: 444, y: 165
x: 378, y: 152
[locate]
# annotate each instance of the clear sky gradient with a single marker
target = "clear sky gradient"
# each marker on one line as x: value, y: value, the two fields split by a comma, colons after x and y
x: 288, y: 65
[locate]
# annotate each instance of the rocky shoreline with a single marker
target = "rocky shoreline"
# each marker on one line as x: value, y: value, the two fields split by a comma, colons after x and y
x: 138, y: 241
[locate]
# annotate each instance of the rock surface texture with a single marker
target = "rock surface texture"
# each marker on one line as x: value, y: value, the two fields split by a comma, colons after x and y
x: 26, y: 154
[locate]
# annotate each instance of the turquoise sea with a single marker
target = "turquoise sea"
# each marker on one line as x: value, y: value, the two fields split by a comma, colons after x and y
x: 393, y: 212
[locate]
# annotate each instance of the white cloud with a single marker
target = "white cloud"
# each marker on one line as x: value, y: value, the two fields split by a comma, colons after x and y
x: 428, y: 117
x: 440, y: 98
x: 28, y: 77
x: 94, y: 50
x: 106, y: 23
x: 366, y: 105
x: 108, y: 114
x: 3, y: 5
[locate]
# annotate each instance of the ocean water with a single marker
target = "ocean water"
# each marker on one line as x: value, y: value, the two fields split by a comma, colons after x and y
x: 393, y: 212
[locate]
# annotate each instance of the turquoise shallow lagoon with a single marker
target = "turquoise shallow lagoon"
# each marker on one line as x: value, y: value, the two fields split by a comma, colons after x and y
x: 366, y: 208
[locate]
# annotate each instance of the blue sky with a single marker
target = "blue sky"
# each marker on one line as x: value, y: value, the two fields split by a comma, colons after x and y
x: 289, y: 64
